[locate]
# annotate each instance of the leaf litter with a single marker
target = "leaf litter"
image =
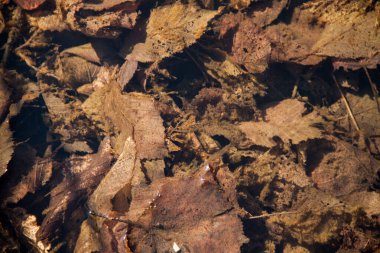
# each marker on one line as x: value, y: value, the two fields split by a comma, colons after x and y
x: 189, y: 126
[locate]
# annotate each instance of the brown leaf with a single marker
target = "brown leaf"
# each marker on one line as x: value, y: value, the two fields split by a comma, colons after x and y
x: 2, y: 22
x: 342, y: 170
x: 105, y: 19
x: 171, y: 29
x: 37, y: 177
x: 88, y: 240
x: 129, y: 114
x: 119, y: 176
x: 27, y: 226
x: 30, y: 4
x: 284, y: 120
x: 82, y: 176
x: 314, y: 33
x: 5, y: 94
x: 193, y: 212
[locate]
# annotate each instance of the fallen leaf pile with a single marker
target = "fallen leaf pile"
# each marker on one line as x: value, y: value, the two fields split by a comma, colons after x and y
x: 189, y: 126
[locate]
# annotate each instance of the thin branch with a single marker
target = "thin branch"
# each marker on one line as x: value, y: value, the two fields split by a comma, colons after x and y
x: 347, y: 105
x: 267, y: 215
x: 375, y: 91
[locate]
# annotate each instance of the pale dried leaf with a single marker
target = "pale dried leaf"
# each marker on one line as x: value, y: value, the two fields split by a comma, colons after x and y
x: 88, y: 239
x: 117, y: 178
x: 284, y: 120
x: 6, y: 146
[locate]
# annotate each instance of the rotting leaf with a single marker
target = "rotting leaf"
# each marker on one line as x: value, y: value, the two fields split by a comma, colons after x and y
x: 284, y: 120
x: 193, y: 212
x: 37, y: 177
x: 366, y: 114
x: 129, y: 114
x: 105, y: 19
x: 83, y: 174
x: 27, y: 226
x: 313, y: 33
x: 343, y: 170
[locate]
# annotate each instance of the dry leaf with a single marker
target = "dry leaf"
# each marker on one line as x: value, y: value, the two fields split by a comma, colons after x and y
x: 119, y: 176
x: 171, y: 29
x: 284, y: 120
x: 27, y: 226
x: 88, y: 239
x: 6, y: 146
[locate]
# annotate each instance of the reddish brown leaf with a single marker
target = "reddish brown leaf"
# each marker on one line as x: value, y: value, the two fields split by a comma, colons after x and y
x: 30, y: 4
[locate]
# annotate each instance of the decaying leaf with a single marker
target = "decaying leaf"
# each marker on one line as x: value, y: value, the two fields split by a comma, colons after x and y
x: 314, y: 33
x: 6, y: 146
x: 92, y: 92
x: 129, y: 114
x: 343, y: 169
x: 366, y: 113
x: 104, y: 19
x: 37, y: 177
x: 170, y: 30
x: 284, y: 120
x: 177, y: 210
x: 83, y: 174
x: 320, y: 217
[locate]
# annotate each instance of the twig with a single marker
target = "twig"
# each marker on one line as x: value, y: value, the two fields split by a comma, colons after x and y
x: 192, y: 58
x: 375, y: 91
x: 272, y: 214
x: 348, y: 108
